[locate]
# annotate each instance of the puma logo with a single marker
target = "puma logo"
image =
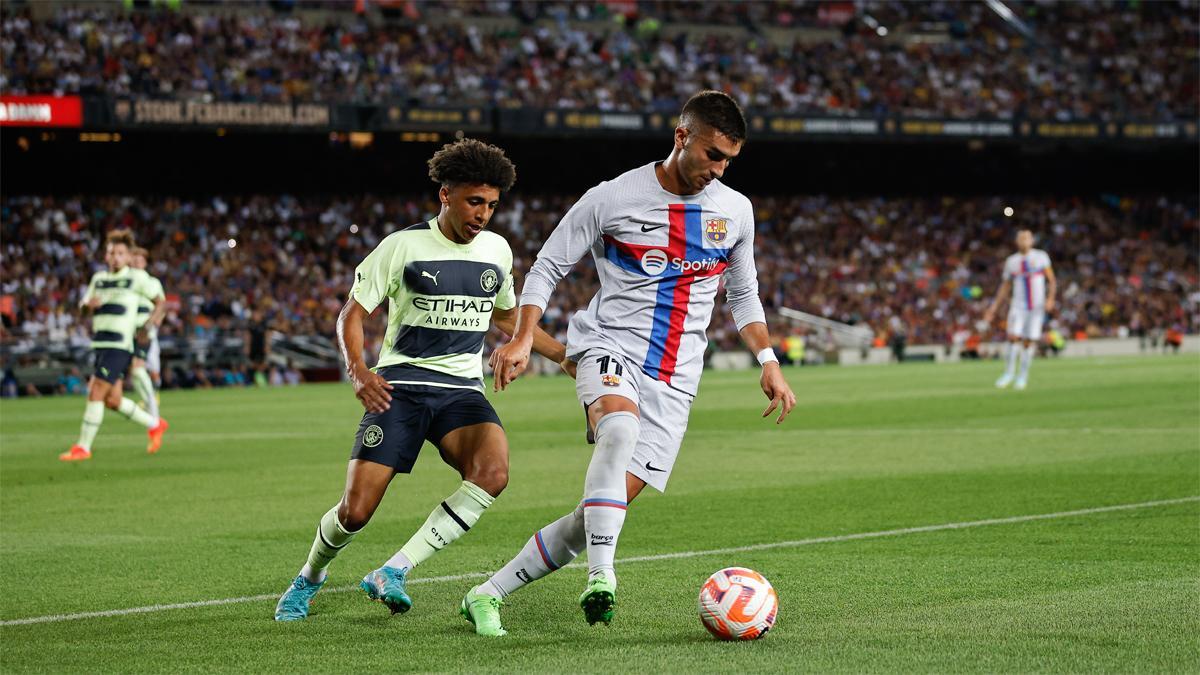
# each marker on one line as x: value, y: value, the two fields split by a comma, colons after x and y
x: 431, y: 276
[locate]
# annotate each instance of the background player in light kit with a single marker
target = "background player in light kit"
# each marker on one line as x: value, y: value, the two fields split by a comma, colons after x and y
x: 446, y: 281
x: 144, y: 371
x: 1029, y: 274
x: 113, y: 296
x: 662, y: 236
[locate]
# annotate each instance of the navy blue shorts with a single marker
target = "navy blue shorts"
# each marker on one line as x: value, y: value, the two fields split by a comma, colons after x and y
x: 141, y: 348
x: 418, y: 414
x: 111, y: 364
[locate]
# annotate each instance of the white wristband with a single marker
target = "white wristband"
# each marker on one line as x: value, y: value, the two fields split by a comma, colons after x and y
x: 766, y: 356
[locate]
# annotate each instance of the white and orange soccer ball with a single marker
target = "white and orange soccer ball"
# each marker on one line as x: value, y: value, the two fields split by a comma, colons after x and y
x: 738, y: 604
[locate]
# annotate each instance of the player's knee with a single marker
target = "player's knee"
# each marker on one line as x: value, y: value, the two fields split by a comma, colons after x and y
x: 353, y: 516
x: 620, y: 427
x: 112, y: 402
x: 492, y: 479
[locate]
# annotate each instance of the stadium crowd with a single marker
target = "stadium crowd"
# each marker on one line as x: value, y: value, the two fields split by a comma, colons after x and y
x: 1083, y: 61
x: 923, y: 268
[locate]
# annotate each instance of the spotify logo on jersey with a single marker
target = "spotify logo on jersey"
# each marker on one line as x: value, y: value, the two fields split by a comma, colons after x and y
x: 654, y: 261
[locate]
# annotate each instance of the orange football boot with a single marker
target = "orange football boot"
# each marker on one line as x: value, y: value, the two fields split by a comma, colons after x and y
x: 77, y: 453
x: 156, y: 435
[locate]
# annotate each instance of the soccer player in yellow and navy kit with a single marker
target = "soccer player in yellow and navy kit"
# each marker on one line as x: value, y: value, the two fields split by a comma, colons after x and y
x: 446, y: 281
x: 113, y: 297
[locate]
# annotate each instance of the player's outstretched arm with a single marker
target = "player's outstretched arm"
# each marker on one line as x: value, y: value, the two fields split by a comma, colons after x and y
x: 543, y: 342
x: 510, y: 360
x: 756, y: 337
x: 371, y: 389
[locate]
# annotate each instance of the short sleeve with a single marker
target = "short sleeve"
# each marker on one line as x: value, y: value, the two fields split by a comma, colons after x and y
x: 1008, y: 269
x: 506, y: 297
x: 149, y: 287
x: 374, y: 278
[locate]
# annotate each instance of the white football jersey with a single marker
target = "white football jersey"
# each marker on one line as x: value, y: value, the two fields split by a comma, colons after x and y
x: 660, y: 258
x: 1028, y: 275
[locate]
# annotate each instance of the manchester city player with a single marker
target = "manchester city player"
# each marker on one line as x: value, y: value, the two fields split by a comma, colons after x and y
x: 113, y: 296
x: 445, y: 282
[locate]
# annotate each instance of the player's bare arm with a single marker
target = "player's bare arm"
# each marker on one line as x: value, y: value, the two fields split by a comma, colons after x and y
x: 159, y: 312
x: 511, y: 359
x: 756, y: 338
x: 371, y: 389
x: 543, y: 342
x: 1005, y: 288
x: 1051, y: 288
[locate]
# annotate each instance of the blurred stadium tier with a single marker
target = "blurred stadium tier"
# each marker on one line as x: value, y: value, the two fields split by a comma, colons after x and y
x: 921, y: 266
x: 887, y: 140
x: 1040, y: 61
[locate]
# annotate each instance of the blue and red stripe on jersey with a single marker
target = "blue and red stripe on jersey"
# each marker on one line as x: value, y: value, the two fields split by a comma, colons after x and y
x: 685, y: 243
x: 1027, y: 279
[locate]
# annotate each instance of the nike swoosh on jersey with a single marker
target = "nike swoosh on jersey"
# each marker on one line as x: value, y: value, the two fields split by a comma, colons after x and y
x: 651, y: 228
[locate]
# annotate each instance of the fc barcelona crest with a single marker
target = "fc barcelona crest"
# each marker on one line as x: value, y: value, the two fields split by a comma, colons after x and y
x: 716, y: 229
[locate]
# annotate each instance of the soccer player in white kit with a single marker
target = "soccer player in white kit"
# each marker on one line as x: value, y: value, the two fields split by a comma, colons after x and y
x: 1029, y: 274
x: 662, y: 236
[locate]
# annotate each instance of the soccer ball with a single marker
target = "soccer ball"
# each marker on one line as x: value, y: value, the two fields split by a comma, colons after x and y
x: 738, y: 604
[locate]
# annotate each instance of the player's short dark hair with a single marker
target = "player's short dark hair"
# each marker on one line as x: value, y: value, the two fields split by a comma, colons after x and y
x: 472, y: 162
x: 120, y: 236
x: 717, y: 110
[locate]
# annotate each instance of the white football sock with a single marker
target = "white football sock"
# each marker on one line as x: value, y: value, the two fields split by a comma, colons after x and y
x: 449, y: 520
x: 1011, y: 366
x: 330, y: 540
x: 93, y: 415
x: 144, y: 387
x: 1026, y: 360
x: 549, y: 548
x: 604, y: 491
x: 131, y: 410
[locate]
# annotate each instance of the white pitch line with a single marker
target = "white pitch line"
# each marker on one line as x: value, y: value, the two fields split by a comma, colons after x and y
x: 54, y: 618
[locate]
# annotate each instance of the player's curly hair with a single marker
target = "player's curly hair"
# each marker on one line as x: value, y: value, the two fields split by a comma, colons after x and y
x: 120, y: 236
x: 717, y: 110
x: 472, y: 162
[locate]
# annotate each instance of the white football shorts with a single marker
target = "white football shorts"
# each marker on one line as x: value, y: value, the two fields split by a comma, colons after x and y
x: 153, y: 364
x: 1026, y: 323
x: 663, y: 410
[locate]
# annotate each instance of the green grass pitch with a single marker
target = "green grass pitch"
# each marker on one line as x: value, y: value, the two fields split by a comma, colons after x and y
x: 228, y: 509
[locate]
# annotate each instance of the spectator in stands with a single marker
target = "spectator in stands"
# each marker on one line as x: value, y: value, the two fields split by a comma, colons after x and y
x: 9, y: 386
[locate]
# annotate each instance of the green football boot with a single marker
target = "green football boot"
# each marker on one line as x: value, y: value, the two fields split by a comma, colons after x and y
x: 599, y: 600
x: 483, y: 610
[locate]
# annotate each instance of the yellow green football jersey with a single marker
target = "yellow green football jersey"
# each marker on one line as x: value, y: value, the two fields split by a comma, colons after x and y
x: 146, y: 304
x: 440, y: 300
x: 116, y: 319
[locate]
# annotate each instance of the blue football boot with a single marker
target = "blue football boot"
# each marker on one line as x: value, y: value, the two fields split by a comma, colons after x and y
x: 386, y: 585
x: 293, y: 604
